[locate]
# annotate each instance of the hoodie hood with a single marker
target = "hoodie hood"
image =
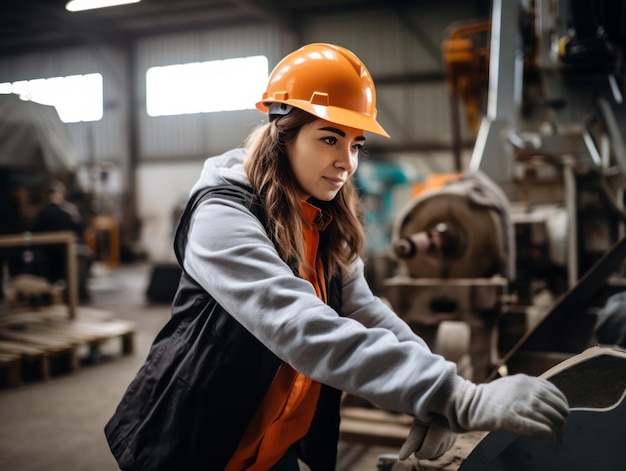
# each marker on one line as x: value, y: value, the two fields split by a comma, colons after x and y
x: 221, y: 169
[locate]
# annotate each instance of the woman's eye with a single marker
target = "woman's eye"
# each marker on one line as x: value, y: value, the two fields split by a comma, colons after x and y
x: 330, y: 140
x: 358, y: 146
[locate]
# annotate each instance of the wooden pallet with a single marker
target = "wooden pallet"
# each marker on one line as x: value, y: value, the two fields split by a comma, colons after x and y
x: 39, y: 344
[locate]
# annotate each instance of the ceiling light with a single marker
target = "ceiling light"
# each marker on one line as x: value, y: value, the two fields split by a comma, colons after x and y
x: 80, y: 5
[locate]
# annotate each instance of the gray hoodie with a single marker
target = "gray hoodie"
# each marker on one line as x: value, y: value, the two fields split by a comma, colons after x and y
x: 368, y: 351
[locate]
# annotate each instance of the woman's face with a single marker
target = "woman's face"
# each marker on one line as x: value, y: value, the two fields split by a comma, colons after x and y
x: 323, y: 157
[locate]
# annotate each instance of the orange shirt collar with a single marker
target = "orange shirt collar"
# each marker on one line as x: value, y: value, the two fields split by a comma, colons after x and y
x: 314, y: 216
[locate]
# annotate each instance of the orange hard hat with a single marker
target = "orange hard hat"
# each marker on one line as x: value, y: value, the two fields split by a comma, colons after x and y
x: 329, y: 82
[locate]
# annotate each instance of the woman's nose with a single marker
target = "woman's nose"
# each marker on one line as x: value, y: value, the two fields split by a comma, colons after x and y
x: 347, y: 159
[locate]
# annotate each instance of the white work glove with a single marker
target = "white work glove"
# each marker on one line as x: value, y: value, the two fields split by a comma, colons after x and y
x: 518, y: 403
x: 427, y: 442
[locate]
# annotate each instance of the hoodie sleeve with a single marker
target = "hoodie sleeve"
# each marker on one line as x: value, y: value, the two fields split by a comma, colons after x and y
x: 360, y: 303
x: 366, y: 353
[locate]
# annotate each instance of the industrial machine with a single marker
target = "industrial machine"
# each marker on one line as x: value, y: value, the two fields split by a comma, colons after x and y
x: 505, y: 268
x: 456, y: 246
x: 536, y: 221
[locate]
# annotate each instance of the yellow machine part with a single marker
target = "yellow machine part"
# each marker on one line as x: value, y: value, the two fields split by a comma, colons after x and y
x: 467, y: 67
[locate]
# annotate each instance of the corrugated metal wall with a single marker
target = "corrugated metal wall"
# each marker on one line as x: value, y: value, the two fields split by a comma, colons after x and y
x: 390, y: 47
x: 197, y: 136
x: 415, y: 114
x: 102, y: 140
x: 170, y: 150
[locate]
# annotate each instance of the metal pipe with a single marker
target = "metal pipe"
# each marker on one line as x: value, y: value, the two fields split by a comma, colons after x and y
x: 443, y: 240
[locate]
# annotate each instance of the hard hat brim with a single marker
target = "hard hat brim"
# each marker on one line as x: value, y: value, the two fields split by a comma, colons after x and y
x: 332, y: 114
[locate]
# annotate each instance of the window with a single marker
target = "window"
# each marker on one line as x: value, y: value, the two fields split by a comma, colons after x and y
x: 75, y: 97
x: 204, y: 87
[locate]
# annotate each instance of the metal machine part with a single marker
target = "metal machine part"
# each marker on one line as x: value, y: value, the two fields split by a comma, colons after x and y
x: 593, y: 437
x: 545, y: 106
x: 440, y: 241
x: 594, y: 382
x: 457, y: 318
x: 454, y: 246
x: 565, y: 328
x: 451, y: 232
x: 550, y: 136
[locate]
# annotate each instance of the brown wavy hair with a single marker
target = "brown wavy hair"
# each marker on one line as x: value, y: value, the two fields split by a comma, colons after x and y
x: 269, y: 172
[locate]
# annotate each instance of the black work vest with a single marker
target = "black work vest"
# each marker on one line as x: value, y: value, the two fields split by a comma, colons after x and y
x: 204, y: 378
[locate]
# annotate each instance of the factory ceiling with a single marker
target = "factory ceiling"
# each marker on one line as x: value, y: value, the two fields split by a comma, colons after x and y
x: 36, y: 25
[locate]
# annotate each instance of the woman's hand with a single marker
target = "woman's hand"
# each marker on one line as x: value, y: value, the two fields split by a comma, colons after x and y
x: 427, y: 442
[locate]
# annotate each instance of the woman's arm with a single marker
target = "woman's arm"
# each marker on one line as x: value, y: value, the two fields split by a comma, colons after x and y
x: 230, y: 255
x: 359, y: 303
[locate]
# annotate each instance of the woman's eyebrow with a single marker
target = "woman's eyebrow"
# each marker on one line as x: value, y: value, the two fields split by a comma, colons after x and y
x: 335, y: 130
x: 340, y: 132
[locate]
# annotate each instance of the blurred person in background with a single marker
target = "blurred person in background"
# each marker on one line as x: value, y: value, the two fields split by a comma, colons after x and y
x: 59, y: 214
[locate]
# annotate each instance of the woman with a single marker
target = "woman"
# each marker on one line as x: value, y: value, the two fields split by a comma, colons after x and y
x: 271, y: 241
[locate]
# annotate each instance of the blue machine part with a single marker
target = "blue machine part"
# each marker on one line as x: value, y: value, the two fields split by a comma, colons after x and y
x: 378, y: 182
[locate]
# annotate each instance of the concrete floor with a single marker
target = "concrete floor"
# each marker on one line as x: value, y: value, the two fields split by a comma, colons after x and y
x: 56, y: 425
